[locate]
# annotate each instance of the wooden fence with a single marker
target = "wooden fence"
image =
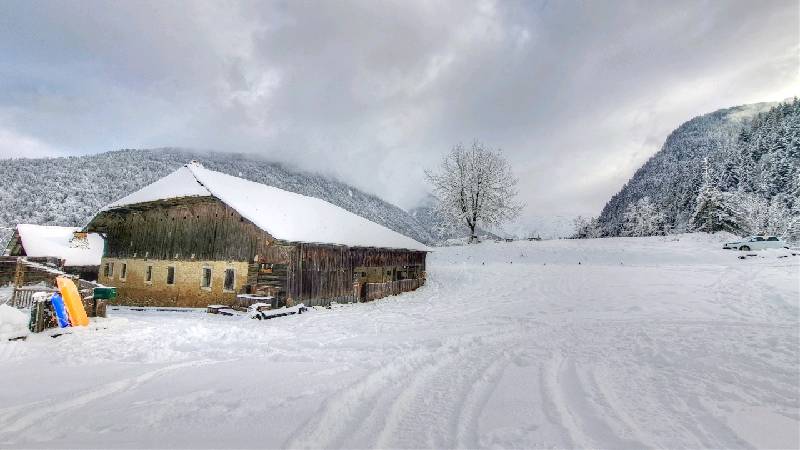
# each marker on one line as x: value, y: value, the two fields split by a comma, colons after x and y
x: 23, y: 296
x: 31, y: 275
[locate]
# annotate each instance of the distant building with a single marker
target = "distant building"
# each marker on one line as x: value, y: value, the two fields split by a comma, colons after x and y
x: 197, y: 237
x: 76, y: 251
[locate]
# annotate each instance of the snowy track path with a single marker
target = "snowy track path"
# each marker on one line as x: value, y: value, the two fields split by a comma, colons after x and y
x: 647, y: 343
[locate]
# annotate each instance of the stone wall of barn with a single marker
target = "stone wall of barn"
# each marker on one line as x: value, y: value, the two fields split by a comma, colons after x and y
x: 187, y: 289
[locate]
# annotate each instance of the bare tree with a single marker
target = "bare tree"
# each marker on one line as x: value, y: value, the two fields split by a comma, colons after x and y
x: 475, y: 187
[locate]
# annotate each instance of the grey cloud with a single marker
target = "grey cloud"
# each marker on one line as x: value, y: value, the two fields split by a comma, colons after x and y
x: 578, y: 94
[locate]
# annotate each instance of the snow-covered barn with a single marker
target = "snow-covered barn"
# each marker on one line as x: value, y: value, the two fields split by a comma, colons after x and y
x: 79, y: 252
x: 198, y: 236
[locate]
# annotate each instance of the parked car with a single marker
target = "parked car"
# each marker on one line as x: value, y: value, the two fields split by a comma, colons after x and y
x: 756, y: 243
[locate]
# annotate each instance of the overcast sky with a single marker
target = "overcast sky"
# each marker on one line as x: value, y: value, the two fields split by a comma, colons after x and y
x: 577, y: 94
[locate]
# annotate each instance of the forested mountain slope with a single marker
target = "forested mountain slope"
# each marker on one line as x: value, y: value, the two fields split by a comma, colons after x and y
x: 69, y: 191
x: 752, y: 155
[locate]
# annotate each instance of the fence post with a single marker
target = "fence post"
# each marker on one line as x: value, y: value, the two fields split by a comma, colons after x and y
x: 19, y: 273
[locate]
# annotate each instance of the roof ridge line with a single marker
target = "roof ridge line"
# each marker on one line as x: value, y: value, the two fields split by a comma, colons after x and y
x: 191, y: 165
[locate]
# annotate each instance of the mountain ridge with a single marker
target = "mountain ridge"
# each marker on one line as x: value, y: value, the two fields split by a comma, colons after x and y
x: 68, y: 191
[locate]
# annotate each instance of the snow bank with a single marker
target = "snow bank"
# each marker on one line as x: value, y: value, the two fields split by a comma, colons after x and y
x: 42, y: 240
x: 647, y: 343
x: 13, y: 323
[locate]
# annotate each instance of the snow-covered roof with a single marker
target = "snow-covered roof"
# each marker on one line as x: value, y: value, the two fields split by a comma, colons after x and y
x: 284, y: 215
x: 41, y: 240
x: 180, y: 183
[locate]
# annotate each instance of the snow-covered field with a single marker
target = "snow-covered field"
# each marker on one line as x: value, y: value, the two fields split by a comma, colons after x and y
x: 647, y: 342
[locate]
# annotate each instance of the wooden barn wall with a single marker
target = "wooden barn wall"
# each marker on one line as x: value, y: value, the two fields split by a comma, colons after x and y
x: 191, y: 229
x: 319, y: 272
x: 326, y: 271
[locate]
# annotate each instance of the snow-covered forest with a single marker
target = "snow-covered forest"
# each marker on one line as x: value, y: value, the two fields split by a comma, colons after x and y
x: 69, y: 191
x: 739, y: 165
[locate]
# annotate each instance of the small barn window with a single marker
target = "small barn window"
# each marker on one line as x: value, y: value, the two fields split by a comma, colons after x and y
x: 107, y: 270
x: 171, y: 275
x: 230, y: 279
x: 148, y: 274
x: 110, y: 270
x: 205, y: 279
x: 123, y: 274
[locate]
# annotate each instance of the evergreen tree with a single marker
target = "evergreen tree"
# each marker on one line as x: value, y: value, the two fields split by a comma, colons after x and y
x: 714, y: 210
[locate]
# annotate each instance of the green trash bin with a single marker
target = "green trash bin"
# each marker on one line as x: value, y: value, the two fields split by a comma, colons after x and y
x: 105, y: 293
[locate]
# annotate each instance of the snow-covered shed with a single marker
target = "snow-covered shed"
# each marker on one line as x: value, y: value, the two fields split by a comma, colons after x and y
x: 78, y: 251
x: 198, y: 236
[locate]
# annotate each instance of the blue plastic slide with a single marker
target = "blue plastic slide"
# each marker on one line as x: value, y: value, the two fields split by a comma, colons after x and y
x: 60, y: 309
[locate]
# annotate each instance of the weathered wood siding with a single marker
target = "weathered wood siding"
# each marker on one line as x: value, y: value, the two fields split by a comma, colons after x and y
x: 320, y: 272
x: 325, y: 272
x: 14, y: 246
x: 184, y: 229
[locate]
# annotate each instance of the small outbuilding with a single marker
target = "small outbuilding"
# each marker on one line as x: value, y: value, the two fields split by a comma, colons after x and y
x: 197, y: 237
x: 76, y: 251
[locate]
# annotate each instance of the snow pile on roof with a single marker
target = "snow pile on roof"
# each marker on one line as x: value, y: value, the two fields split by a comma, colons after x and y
x: 284, y: 215
x: 41, y: 240
x: 180, y: 183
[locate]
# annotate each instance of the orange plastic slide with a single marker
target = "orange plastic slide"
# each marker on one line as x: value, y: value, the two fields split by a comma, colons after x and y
x: 72, y: 300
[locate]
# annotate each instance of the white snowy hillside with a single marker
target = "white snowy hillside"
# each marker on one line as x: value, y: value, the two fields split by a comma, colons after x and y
x: 664, y: 342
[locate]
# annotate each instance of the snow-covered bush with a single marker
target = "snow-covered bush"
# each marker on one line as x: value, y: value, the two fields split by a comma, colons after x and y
x: 587, y: 228
x: 759, y: 216
x: 643, y: 219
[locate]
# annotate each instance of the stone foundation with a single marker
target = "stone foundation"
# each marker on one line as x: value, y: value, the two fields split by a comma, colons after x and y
x: 186, y: 291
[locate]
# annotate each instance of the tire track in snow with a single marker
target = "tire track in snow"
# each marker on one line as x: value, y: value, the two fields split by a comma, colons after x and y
x: 13, y: 423
x: 437, y: 398
x: 473, y: 404
x: 552, y: 392
x: 407, y: 394
x: 342, y: 414
x: 611, y: 407
x: 582, y: 410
